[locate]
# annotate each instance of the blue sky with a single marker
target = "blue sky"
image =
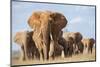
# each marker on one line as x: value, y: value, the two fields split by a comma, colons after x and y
x: 80, y: 18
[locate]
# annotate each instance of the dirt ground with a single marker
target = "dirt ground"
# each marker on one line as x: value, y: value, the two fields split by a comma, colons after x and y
x: 74, y: 58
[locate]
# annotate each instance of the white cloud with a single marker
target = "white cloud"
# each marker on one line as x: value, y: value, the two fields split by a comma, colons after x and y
x: 76, y: 20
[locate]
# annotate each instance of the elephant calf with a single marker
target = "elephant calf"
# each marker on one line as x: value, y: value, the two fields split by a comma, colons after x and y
x: 67, y: 43
x: 24, y: 39
x: 88, y: 44
x: 56, y: 50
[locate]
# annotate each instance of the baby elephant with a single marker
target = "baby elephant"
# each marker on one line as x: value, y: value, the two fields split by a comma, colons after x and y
x: 24, y: 39
x: 67, y: 43
x: 88, y: 44
x: 56, y: 50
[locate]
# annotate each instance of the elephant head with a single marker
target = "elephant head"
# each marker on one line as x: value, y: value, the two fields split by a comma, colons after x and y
x: 47, y: 25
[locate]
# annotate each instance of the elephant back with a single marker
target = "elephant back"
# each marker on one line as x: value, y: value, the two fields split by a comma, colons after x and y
x: 77, y: 37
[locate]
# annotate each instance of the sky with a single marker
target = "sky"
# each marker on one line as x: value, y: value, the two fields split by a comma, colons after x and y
x: 80, y: 18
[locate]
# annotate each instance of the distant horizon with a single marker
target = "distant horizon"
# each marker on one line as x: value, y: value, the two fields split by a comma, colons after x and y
x: 80, y: 18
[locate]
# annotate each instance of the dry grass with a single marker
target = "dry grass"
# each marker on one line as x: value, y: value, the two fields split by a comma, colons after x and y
x: 74, y: 58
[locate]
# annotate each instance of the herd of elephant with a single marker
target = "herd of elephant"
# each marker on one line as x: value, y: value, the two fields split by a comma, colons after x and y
x: 47, y: 40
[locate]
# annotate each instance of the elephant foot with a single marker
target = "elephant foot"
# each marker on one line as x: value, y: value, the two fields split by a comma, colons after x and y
x: 41, y: 59
x: 51, y: 58
x: 24, y: 59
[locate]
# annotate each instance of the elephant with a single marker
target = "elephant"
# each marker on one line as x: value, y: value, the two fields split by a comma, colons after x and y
x: 88, y: 44
x: 55, y: 51
x: 77, y: 37
x: 28, y: 48
x: 67, y: 44
x: 80, y: 47
x: 47, y: 26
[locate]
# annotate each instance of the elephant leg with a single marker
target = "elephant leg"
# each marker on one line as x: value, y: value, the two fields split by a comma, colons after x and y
x: 70, y: 51
x: 74, y: 48
x: 88, y: 49
x: 44, y: 52
x: 65, y: 52
x: 36, y: 54
x: 31, y: 54
x: 23, y: 53
x: 41, y: 55
x: 28, y: 54
x: 55, y: 45
x: 91, y: 50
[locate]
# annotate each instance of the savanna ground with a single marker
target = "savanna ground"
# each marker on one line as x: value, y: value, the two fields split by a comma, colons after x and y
x: 74, y: 58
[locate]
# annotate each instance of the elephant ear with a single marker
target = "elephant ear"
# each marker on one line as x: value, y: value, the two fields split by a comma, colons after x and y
x: 45, y: 17
x: 34, y: 20
x: 59, y: 20
x: 57, y: 16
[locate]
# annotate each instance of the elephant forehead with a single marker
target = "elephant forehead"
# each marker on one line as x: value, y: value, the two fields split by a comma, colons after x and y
x: 35, y: 16
x: 44, y: 16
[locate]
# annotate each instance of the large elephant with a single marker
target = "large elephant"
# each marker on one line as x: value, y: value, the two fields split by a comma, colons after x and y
x: 77, y: 37
x: 28, y: 48
x: 88, y: 44
x: 46, y: 26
